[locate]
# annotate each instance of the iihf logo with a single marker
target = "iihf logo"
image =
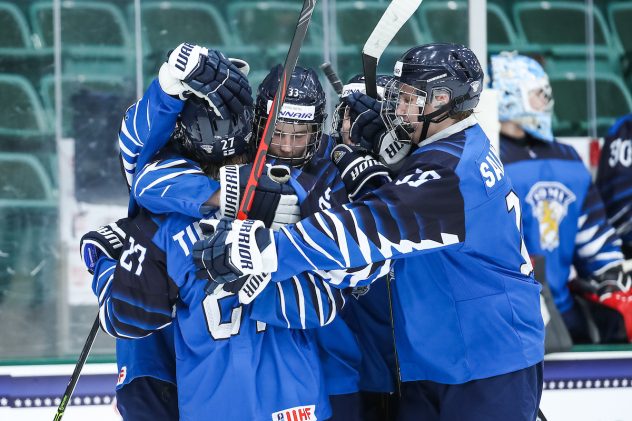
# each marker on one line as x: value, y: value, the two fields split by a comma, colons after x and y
x: 549, y: 202
x: 298, y: 413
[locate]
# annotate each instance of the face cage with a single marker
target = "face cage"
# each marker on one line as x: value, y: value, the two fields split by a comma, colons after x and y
x: 403, y: 108
x: 341, y: 113
x: 296, y: 155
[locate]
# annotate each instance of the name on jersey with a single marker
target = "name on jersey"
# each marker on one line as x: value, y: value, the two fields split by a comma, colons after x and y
x: 298, y: 413
x: 549, y: 202
x: 491, y: 169
x: 187, y: 237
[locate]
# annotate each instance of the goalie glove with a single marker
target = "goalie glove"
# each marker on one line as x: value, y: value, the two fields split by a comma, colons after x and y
x: 106, y: 241
x: 191, y: 69
x: 612, y: 289
x: 360, y: 172
x: 275, y: 202
x: 233, y: 249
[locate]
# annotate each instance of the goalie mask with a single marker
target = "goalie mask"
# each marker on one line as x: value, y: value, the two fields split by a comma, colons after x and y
x: 448, y: 76
x: 526, y: 97
x: 202, y: 136
x: 301, y: 119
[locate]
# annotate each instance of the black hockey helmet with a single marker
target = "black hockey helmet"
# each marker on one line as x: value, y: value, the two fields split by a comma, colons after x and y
x: 202, y: 136
x: 428, y: 71
x: 303, y: 109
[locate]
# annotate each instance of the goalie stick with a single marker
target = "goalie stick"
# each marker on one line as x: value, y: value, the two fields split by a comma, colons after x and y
x: 266, y: 138
x: 395, y: 16
x: 74, y: 378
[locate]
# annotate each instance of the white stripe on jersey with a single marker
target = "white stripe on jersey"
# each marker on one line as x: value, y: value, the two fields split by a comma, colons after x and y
x: 586, y: 235
x: 332, y: 301
x: 594, y: 246
x: 282, y: 300
x: 319, y: 300
x: 301, y: 301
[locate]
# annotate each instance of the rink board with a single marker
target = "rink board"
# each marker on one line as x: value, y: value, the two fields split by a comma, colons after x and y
x: 578, y: 386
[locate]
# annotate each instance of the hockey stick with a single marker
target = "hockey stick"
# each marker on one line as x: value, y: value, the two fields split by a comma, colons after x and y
x: 277, y: 102
x: 332, y: 77
x: 77, y: 371
x: 395, y: 16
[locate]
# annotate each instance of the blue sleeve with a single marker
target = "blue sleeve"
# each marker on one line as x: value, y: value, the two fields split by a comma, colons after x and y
x: 174, y: 185
x: 304, y: 301
x: 421, y: 211
x: 614, y: 177
x: 136, y: 296
x: 146, y: 128
x: 597, y: 245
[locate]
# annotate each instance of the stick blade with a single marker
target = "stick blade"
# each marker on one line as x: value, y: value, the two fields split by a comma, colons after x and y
x: 394, y: 17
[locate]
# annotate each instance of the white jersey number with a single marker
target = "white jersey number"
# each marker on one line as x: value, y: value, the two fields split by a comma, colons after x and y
x: 128, y: 257
x: 513, y: 204
x: 213, y: 312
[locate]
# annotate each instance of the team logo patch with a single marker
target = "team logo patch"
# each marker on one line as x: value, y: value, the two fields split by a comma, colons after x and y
x: 298, y: 413
x: 357, y: 292
x: 549, y: 202
x: 337, y: 156
x: 122, y: 375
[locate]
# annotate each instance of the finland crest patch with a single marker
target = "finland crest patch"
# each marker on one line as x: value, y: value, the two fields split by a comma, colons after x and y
x: 549, y: 202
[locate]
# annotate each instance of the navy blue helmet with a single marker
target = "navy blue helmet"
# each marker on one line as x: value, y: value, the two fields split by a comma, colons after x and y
x: 449, y: 72
x: 202, y: 136
x: 301, y: 118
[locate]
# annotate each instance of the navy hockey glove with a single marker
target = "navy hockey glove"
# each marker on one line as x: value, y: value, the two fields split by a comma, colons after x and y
x: 275, y: 202
x: 360, y: 172
x: 220, y: 81
x: 107, y: 241
x: 232, y: 249
x: 208, y: 74
x: 367, y: 126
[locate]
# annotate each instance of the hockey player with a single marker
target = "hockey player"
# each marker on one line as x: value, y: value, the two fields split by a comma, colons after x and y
x: 466, y: 308
x: 146, y: 383
x: 368, y: 313
x: 614, y: 179
x: 144, y: 189
x: 563, y: 216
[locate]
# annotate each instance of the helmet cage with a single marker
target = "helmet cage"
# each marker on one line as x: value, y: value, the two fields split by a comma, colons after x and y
x: 294, y: 142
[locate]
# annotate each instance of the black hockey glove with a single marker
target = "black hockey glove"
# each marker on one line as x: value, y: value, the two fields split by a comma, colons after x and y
x: 360, y: 172
x: 367, y: 126
x: 275, y: 202
x: 107, y: 241
x: 233, y: 249
x: 222, y: 84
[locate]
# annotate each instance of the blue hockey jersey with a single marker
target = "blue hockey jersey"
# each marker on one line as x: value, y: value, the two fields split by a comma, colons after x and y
x: 465, y: 304
x: 614, y: 179
x: 563, y: 215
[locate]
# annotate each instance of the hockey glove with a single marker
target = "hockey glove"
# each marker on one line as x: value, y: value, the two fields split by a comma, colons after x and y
x: 367, y: 126
x: 275, y: 202
x: 209, y: 75
x: 222, y: 84
x: 360, y: 172
x: 233, y: 249
x: 106, y: 241
x: 612, y: 289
